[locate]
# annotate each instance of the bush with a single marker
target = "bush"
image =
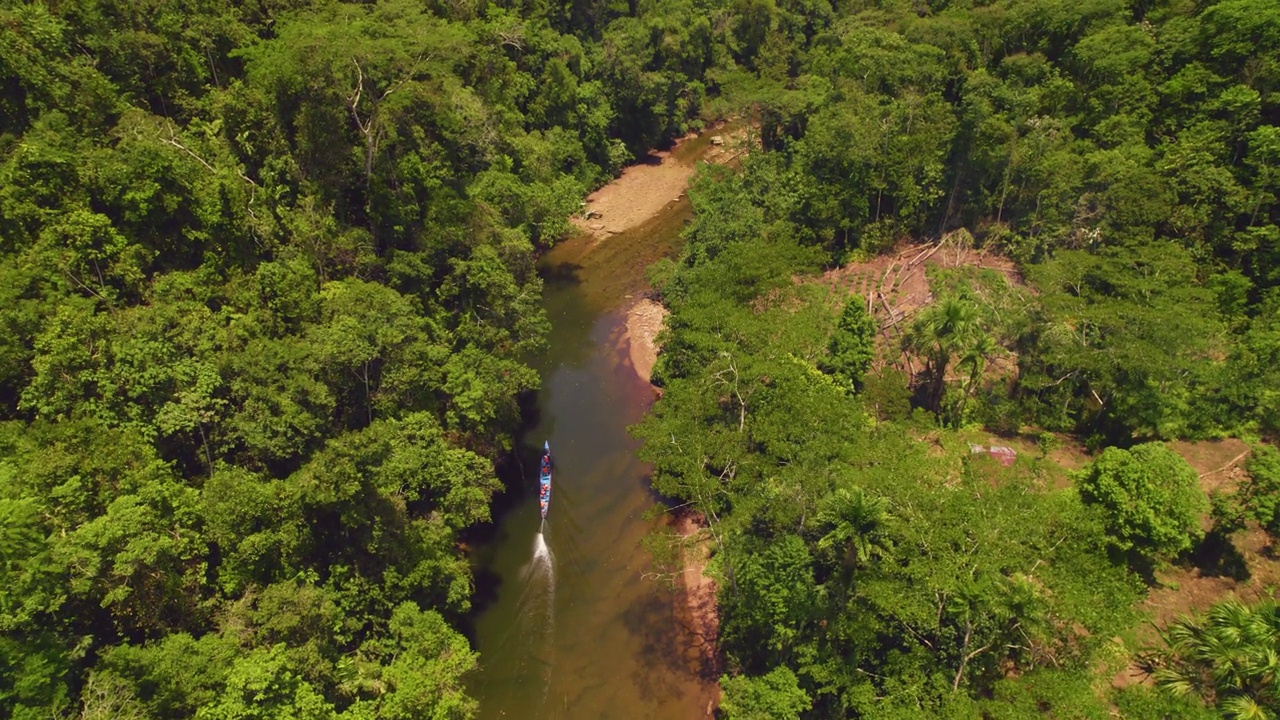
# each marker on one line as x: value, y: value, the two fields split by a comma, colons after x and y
x: 1150, y: 499
x: 775, y: 696
x: 1260, y: 494
x: 852, y: 345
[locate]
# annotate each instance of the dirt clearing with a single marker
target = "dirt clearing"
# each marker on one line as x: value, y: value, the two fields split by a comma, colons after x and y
x: 895, y: 287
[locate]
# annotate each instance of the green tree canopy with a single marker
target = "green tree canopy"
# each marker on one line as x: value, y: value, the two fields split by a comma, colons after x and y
x: 772, y: 696
x: 1149, y: 497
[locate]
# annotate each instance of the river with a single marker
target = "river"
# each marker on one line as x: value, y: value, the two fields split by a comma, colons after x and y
x: 572, y: 629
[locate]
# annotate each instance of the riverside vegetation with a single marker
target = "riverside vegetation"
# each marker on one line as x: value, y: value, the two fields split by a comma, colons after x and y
x: 267, y: 292
x: 1122, y: 155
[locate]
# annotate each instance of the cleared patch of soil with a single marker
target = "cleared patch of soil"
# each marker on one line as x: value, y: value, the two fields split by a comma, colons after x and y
x: 1184, y: 589
x: 895, y: 287
x: 1070, y: 453
x: 1216, y: 461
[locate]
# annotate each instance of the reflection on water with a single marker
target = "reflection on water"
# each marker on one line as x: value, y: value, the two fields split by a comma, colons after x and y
x: 573, y: 630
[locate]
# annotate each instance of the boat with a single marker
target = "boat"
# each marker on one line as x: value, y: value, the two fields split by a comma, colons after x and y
x: 544, y: 480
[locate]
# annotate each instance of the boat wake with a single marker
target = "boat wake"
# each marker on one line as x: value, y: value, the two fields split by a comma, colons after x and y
x: 535, y: 622
x: 540, y: 574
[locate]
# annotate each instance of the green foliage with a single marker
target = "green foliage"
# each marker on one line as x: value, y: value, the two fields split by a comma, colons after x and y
x: 857, y: 525
x: 1124, y: 158
x: 1225, y: 658
x: 268, y: 301
x: 267, y: 297
x: 1144, y: 703
x: 941, y: 332
x: 1258, y: 497
x: 1248, y: 389
x: 848, y: 553
x: 886, y: 394
x: 1057, y: 695
x: 1149, y: 497
x: 260, y: 686
x: 852, y: 345
x: 773, y: 695
x: 1124, y: 342
x: 773, y: 597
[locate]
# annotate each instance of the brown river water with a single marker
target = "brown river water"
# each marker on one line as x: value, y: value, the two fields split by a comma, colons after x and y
x: 570, y: 628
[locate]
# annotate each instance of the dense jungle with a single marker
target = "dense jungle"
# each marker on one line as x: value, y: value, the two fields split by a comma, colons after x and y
x: 269, y: 301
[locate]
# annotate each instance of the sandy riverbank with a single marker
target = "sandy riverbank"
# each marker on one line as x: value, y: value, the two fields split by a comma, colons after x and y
x: 644, y: 322
x: 645, y: 189
x: 642, y: 193
x: 697, y: 591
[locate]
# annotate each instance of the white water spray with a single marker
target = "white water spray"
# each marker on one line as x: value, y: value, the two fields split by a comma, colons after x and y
x: 541, y: 571
x: 537, y: 611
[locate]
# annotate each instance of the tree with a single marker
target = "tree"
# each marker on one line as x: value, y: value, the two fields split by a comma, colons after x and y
x: 1149, y: 497
x: 262, y: 686
x: 1227, y: 658
x: 974, y: 361
x: 942, y: 331
x: 772, y: 598
x: 773, y: 696
x: 425, y: 666
x: 1259, y: 495
x: 856, y: 521
x: 852, y: 345
x: 1252, y: 374
x: 1123, y: 342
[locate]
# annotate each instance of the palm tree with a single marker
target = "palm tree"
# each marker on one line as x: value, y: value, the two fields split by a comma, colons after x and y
x: 941, y: 331
x: 857, y: 521
x: 975, y: 359
x: 1230, y: 657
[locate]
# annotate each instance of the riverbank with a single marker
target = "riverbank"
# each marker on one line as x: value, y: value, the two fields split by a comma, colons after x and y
x: 699, y: 614
x: 639, y: 198
x: 695, y: 591
x: 646, y: 189
x: 639, y: 194
x: 644, y: 321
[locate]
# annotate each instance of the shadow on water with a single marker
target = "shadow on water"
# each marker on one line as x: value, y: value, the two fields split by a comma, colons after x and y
x: 513, y: 472
x: 561, y: 274
x: 663, y: 646
x: 528, y: 641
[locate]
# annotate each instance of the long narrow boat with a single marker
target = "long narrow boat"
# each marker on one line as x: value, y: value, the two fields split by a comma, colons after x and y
x: 544, y: 480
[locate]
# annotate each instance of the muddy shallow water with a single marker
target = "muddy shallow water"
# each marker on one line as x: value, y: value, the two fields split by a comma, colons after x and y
x: 574, y: 630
